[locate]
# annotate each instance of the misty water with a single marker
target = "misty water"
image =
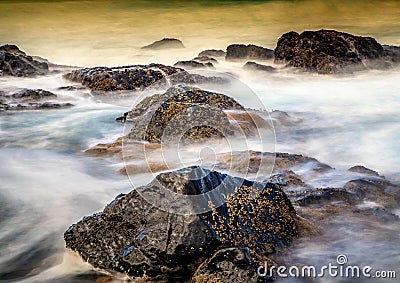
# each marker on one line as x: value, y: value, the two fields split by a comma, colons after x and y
x: 48, y: 182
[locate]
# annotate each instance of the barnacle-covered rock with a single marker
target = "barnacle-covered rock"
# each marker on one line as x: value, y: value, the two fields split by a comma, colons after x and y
x: 14, y: 62
x: 330, y: 51
x: 182, y: 111
x: 135, y: 77
x: 135, y: 237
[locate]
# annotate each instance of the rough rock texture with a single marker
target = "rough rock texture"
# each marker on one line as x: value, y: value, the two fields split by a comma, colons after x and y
x: 14, y: 62
x: 330, y: 51
x: 253, y: 66
x: 133, y: 237
x: 30, y: 99
x: 192, y: 64
x: 212, y: 53
x: 226, y: 265
x: 165, y: 43
x: 241, y: 51
x: 134, y: 77
x: 182, y: 111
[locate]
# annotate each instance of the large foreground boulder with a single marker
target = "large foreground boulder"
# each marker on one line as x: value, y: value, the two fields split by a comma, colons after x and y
x: 330, y: 51
x: 135, y: 77
x: 14, y: 62
x: 134, y: 237
x: 241, y: 52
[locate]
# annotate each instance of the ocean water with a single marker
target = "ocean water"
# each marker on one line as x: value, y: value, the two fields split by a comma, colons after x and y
x: 48, y: 183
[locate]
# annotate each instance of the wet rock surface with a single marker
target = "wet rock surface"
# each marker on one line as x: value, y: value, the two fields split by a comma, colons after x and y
x: 30, y: 99
x: 182, y: 111
x: 205, y: 59
x: 212, y: 53
x: 330, y: 51
x: 135, y: 77
x: 363, y: 170
x: 241, y: 51
x: 253, y: 66
x: 14, y: 62
x: 192, y: 64
x: 165, y: 43
x: 133, y: 237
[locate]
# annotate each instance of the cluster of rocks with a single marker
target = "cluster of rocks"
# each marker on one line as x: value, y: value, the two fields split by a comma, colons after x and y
x: 30, y: 99
x: 135, y: 77
x: 330, y: 51
x: 14, y: 62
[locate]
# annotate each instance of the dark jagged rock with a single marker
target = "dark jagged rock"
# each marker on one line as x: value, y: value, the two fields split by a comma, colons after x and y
x: 391, y: 53
x: 14, y: 62
x: 134, y: 237
x: 166, y: 43
x: 363, y: 170
x: 182, y: 111
x: 205, y: 59
x: 330, y: 51
x: 135, y: 77
x: 212, y: 53
x: 226, y: 265
x: 30, y: 99
x: 241, y: 51
x: 253, y: 66
x: 192, y: 64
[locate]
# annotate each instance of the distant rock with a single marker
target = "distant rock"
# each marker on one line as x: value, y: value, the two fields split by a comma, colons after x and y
x: 133, y: 237
x: 30, y: 99
x: 330, y: 51
x: 14, y: 62
x: 192, y: 64
x: 166, y: 43
x: 212, y: 53
x: 205, y: 59
x: 363, y: 170
x: 253, y: 66
x: 135, y: 77
x: 242, y: 52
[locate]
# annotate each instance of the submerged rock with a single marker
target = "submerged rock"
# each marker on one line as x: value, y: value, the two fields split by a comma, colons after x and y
x: 212, y: 53
x: 135, y: 77
x: 241, y: 51
x: 14, y: 62
x: 165, y: 43
x: 330, y: 51
x: 30, y: 99
x: 192, y: 64
x: 253, y: 66
x: 205, y: 59
x: 133, y: 237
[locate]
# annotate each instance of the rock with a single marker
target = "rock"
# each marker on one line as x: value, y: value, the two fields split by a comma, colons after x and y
x: 166, y: 43
x: 226, y: 265
x: 33, y: 95
x: 212, y: 53
x: 135, y: 77
x: 253, y: 66
x: 191, y: 64
x: 134, y: 237
x: 363, y: 170
x: 241, y: 51
x: 30, y: 99
x: 14, y: 62
x: 71, y: 87
x: 182, y: 111
x: 330, y: 51
x: 391, y: 53
x: 205, y: 59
